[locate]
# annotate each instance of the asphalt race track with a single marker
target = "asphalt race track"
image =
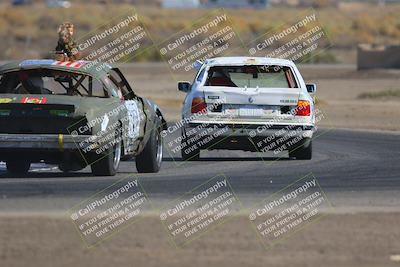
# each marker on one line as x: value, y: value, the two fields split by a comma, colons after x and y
x: 358, y: 170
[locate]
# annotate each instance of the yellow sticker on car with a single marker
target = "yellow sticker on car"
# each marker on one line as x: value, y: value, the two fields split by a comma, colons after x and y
x: 6, y: 100
x: 250, y: 61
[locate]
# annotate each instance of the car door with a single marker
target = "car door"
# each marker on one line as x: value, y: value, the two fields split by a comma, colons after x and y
x: 135, y: 120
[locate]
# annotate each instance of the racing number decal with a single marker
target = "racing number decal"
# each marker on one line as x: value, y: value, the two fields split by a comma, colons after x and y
x: 34, y: 100
x: 133, y: 118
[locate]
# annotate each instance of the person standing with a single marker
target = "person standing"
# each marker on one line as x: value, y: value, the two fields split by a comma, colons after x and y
x: 67, y: 48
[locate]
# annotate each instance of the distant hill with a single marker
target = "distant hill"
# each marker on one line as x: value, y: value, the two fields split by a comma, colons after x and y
x: 32, y: 31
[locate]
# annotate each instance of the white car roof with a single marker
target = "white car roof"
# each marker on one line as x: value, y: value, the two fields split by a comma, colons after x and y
x: 226, y: 61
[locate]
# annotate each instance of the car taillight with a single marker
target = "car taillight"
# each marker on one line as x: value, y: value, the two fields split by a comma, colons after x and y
x: 199, y: 105
x: 303, y: 108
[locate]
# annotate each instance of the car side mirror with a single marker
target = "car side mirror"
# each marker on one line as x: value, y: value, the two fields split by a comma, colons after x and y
x: 197, y: 65
x: 311, y: 88
x: 184, y: 86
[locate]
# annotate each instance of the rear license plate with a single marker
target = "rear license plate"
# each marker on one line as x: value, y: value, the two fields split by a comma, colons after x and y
x: 250, y: 111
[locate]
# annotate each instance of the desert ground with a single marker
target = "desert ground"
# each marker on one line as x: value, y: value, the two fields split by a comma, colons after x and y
x: 49, y: 241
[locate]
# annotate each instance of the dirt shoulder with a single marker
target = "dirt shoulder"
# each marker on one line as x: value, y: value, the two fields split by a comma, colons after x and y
x: 336, y: 240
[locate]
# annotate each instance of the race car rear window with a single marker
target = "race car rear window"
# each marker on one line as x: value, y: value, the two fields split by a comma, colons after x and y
x: 251, y: 76
x: 51, y: 82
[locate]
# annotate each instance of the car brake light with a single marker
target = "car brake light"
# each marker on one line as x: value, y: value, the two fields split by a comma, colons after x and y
x: 199, y: 105
x: 303, y: 108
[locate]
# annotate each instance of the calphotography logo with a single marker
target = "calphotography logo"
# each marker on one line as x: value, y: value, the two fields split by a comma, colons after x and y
x: 109, y: 211
x: 97, y: 136
x: 289, y: 210
x: 108, y: 32
x: 185, y: 138
x: 206, y: 207
x: 211, y: 36
x: 119, y: 40
x: 297, y: 41
x: 275, y: 139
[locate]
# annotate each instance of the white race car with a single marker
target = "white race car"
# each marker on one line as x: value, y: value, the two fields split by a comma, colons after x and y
x: 247, y: 103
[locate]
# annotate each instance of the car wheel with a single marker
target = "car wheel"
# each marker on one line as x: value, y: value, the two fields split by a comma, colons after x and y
x: 18, y: 167
x: 150, y: 159
x: 108, y: 165
x: 304, y: 152
x: 192, y: 154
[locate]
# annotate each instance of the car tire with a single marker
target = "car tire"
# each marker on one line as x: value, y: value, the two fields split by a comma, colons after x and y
x: 304, y: 152
x: 108, y: 165
x: 18, y: 167
x: 150, y: 159
x: 192, y: 155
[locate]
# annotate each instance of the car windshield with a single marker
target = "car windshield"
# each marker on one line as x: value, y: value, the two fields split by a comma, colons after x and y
x: 51, y: 82
x: 251, y: 76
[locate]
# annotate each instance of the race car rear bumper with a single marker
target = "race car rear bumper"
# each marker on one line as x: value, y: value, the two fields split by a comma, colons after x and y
x: 252, y: 130
x: 59, y: 142
x: 254, y: 137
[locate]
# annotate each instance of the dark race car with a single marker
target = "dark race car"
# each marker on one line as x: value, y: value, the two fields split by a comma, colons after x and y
x: 75, y: 114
